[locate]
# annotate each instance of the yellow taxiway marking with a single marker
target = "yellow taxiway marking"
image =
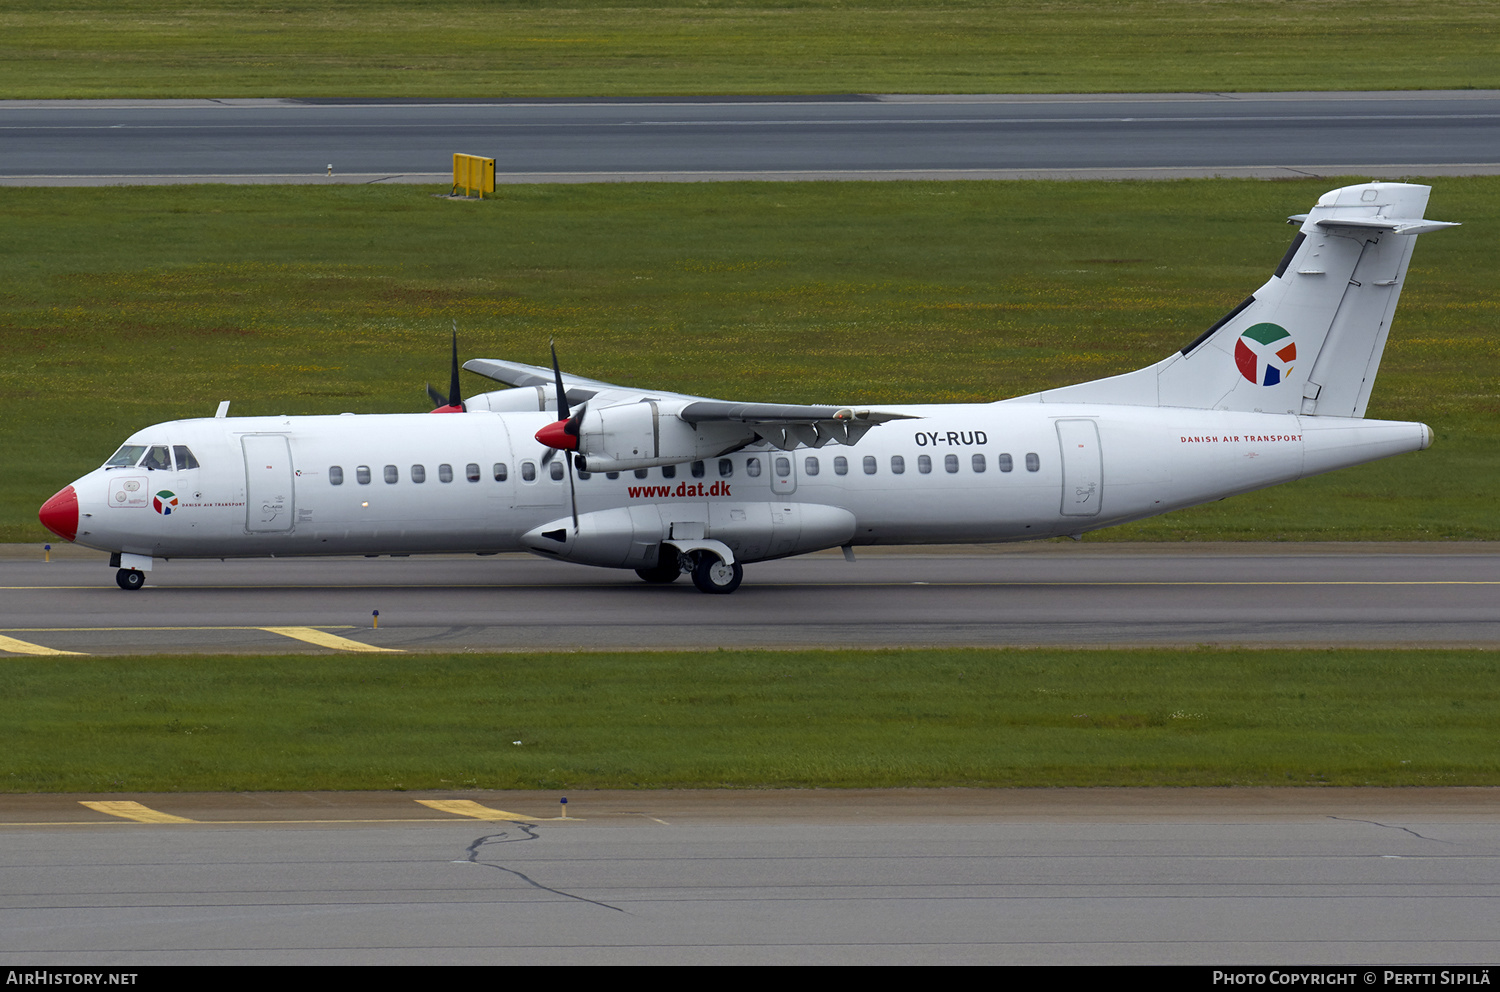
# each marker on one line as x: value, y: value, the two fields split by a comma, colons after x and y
x: 15, y: 646
x: 468, y: 807
x: 325, y: 639
x: 132, y: 811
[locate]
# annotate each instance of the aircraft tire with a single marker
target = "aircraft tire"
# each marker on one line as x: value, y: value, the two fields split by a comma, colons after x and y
x: 660, y: 574
x: 130, y: 578
x: 710, y: 574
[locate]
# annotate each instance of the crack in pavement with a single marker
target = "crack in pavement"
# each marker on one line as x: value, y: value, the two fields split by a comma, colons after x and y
x: 504, y: 838
x: 1389, y: 826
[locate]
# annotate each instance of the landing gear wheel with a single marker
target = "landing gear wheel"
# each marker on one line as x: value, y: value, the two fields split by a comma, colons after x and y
x: 710, y: 574
x: 130, y: 578
x: 659, y: 574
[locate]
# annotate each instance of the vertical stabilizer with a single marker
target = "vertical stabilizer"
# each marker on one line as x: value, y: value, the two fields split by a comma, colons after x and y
x: 1309, y: 341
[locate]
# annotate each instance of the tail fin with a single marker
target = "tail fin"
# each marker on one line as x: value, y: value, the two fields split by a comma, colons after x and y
x: 1309, y: 341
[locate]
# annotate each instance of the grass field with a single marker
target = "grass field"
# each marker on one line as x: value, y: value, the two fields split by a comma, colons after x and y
x: 752, y: 719
x: 459, y: 48
x: 122, y: 307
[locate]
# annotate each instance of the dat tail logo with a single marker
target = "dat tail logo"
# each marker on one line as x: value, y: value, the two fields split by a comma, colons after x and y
x: 671, y: 485
x: 1265, y: 354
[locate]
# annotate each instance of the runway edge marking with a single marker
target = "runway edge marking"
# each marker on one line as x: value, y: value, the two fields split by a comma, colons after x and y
x: 128, y: 810
x: 468, y: 807
x: 17, y: 646
x: 325, y: 639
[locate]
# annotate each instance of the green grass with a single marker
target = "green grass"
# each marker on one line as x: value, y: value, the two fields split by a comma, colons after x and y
x: 122, y: 307
x: 468, y: 48
x: 752, y: 719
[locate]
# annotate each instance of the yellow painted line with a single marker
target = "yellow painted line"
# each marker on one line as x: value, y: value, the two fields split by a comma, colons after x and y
x: 324, y: 639
x: 15, y: 646
x: 132, y: 811
x: 468, y: 807
x: 60, y: 630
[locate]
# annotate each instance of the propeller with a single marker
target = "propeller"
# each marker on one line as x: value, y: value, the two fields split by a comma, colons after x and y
x: 562, y: 434
x: 453, y: 402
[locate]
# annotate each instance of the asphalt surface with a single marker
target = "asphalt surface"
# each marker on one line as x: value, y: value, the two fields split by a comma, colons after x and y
x: 999, y: 136
x: 1050, y: 593
x: 1217, y: 877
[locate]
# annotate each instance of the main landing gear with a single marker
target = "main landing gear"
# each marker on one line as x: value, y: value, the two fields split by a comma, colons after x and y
x: 708, y: 570
x: 130, y: 578
x: 710, y: 574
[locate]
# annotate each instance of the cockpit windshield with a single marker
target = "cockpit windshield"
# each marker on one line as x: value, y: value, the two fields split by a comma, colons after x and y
x: 128, y: 455
x: 157, y: 457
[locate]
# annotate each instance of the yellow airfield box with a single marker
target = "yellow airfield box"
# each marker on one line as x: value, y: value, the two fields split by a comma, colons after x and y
x: 473, y: 173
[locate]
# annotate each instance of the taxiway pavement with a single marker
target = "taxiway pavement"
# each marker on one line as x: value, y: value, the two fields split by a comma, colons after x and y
x: 1076, y: 876
x: 1049, y: 593
x: 1172, y: 135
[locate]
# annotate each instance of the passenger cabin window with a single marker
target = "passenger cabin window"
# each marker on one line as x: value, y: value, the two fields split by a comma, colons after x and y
x: 840, y: 465
x: 584, y: 476
x: 783, y: 467
x: 752, y: 467
x: 726, y: 468
x: 471, y: 471
x: 950, y: 463
x: 501, y: 472
x: 611, y: 475
x: 391, y: 475
x: 185, y: 459
x: 978, y: 463
x: 419, y: 473
x: 640, y: 473
x: 898, y: 465
x: 810, y: 465
x: 1004, y: 462
x: 335, y: 475
x: 924, y: 464
x: 869, y: 464
x: 362, y: 475
x: 669, y: 471
x: 1033, y: 461
x: 698, y: 469
x: 528, y: 471
x: 445, y: 473
x: 557, y: 470
x: 126, y: 457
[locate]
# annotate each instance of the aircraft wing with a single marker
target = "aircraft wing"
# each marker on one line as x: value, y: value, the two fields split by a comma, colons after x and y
x: 788, y: 425
x: 782, y: 424
x: 577, y: 387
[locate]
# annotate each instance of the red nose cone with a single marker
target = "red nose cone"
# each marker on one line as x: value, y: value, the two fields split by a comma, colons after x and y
x: 553, y: 436
x: 60, y: 514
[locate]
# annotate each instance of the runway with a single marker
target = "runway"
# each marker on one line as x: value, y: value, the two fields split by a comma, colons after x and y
x: 1218, y: 877
x: 852, y: 137
x: 1049, y: 593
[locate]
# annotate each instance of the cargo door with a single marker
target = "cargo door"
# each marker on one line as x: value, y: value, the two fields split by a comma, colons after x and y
x: 1082, y: 467
x: 269, y: 494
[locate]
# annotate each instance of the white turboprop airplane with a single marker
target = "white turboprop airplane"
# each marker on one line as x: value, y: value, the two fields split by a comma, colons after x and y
x: 669, y: 484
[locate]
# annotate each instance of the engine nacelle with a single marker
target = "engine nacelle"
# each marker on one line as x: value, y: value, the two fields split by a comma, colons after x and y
x: 631, y: 537
x: 643, y: 435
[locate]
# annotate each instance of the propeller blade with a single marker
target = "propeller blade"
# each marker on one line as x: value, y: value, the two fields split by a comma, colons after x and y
x: 548, y: 455
x: 562, y: 396
x: 573, y: 492
x: 438, y: 399
x: 454, y: 396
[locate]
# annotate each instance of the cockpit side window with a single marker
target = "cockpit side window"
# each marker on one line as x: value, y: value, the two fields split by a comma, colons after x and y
x: 158, y: 458
x: 127, y: 456
x: 185, y: 457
